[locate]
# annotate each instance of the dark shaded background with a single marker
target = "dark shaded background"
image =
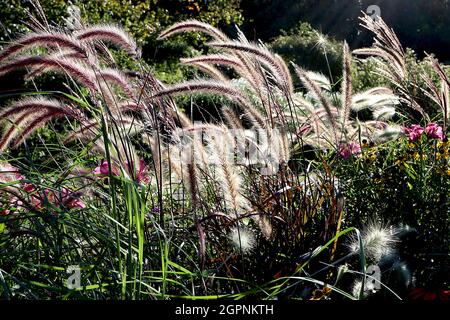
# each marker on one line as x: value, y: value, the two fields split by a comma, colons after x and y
x: 423, y: 25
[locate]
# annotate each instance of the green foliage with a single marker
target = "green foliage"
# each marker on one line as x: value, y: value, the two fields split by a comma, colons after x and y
x: 310, y: 49
x: 14, y: 15
x: 365, y: 76
x: 406, y: 183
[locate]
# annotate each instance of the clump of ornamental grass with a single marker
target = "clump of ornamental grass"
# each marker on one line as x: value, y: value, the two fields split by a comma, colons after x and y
x: 391, y: 60
x: 324, y: 120
x: 139, y: 150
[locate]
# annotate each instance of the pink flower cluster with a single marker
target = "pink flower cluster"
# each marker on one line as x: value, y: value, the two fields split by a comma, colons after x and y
x: 60, y: 198
x: 103, y: 168
x: 140, y: 174
x: 432, y: 131
x: 349, y: 149
x: 63, y: 197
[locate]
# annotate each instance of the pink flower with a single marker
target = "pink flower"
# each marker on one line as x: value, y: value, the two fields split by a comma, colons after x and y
x: 103, y: 168
x: 76, y: 203
x: 141, y: 174
x: 434, y: 131
x: 31, y: 190
x: 70, y: 200
x: 65, y: 197
x: 347, y: 150
x: 13, y: 202
x: 8, y: 174
x: 38, y: 203
x: 414, y: 132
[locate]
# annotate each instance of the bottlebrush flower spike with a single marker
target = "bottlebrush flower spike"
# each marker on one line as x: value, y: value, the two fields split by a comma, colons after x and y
x: 35, y: 105
x: 273, y: 62
x: 44, y: 40
x: 118, y: 78
x: 75, y: 70
x: 378, y: 241
x: 242, y: 239
x: 193, y: 25
x: 112, y: 34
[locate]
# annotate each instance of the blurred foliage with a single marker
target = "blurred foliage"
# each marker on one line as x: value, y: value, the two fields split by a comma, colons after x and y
x: 311, y: 50
x: 143, y: 19
x: 429, y: 30
x: 365, y: 76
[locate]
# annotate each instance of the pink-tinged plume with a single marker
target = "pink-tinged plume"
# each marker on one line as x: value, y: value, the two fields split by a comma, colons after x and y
x: 8, y: 173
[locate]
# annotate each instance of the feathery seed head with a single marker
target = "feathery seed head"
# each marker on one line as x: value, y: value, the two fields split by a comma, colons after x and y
x: 193, y: 25
x: 378, y: 241
x: 242, y: 239
x: 44, y: 39
x: 356, y: 290
x: 112, y: 34
x: 75, y: 70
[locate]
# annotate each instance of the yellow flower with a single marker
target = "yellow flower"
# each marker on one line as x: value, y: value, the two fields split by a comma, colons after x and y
x: 370, y: 157
x: 444, y: 155
x: 400, y: 162
x: 416, y: 156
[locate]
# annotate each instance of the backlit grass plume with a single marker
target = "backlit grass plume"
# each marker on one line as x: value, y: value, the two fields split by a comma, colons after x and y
x: 378, y: 241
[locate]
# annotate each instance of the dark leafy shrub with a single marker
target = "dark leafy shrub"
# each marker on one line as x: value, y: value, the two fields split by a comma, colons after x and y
x: 405, y: 182
x: 310, y: 49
